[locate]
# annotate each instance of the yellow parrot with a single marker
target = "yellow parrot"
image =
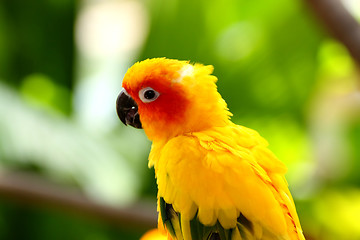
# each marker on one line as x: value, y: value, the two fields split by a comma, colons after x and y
x: 216, y: 180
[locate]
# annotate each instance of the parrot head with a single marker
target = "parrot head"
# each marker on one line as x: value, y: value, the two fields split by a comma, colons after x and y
x: 169, y: 97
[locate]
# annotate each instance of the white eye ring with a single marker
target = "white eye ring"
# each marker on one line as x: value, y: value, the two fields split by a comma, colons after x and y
x: 148, y: 94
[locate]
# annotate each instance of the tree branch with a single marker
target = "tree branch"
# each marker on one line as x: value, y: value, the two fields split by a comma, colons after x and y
x: 340, y: 23
x: 29, y: 189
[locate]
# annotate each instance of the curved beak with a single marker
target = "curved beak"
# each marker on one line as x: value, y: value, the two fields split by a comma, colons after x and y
x: 127, y: 110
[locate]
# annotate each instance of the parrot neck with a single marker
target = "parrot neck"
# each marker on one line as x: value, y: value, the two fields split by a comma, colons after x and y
x: 154, y: 154
x: 163, y: 132
x: 160, y: 140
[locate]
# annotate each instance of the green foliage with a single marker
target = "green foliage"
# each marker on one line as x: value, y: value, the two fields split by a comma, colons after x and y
x: 19, y: 221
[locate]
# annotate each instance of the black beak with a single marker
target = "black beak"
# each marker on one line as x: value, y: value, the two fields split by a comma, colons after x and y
x: 127, y: 110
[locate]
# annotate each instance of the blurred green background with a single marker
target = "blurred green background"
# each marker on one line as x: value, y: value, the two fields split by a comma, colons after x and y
x: 70, y: 170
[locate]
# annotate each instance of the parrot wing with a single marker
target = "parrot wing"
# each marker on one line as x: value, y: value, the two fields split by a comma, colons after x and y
x: 213, y: 183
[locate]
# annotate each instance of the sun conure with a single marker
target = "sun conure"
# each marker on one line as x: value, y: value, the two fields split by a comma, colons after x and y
x: 216, y: 180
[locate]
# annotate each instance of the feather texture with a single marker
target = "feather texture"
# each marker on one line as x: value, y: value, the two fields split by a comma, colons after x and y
x: 216, y: 180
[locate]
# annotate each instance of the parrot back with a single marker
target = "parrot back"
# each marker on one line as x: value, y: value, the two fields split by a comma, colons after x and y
x: 224, y: 184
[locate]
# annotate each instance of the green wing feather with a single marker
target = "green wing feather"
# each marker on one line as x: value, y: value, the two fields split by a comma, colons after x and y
x: 172, y: 221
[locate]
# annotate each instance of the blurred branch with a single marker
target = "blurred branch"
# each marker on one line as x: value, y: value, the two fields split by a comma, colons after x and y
x: 340, y: 23
x: 29, y: 189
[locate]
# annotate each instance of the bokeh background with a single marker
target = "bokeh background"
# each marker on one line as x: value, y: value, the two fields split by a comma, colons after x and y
x: 70, y: 170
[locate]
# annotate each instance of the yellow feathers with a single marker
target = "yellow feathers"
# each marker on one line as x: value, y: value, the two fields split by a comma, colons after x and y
x: 216, y: 180
x: 221, y: 179
x: 154, y: 234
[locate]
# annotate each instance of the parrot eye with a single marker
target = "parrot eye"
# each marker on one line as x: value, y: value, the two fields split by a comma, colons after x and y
x: 148, y: 94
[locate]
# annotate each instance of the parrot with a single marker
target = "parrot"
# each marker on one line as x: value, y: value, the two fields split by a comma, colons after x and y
x: 216, y: 180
